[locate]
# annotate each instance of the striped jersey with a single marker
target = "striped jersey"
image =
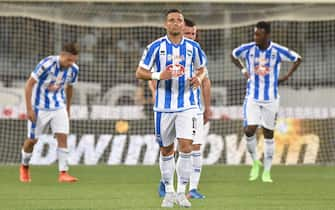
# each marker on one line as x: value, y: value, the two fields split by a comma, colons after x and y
x: 183, y: 59
x: 263, y: 67
x: 48, y: 93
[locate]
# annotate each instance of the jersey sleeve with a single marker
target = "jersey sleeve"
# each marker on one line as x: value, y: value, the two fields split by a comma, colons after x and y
x: 200, y: 59
x: 42, y: 69
x: 288, y: 55
x: 241, y: 51
x: 149, y: 55
x: 73, y: 76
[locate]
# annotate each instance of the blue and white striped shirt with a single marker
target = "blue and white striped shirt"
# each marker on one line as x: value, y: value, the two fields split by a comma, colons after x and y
x: 48, y: 93
x: 263, y: 67
x: 177, y: 93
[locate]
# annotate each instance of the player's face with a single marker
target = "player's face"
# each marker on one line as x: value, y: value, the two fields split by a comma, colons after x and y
x: 260, y: 36
x: 174, y: 24
x: 67, y: 59
x: 190, y: 32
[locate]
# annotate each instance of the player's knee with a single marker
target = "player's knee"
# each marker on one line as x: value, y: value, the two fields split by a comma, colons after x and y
x: 167, y: 151
x: 196, y: 147
x: 268, y: 134
x: 185, y: 147
x: 249, y: 131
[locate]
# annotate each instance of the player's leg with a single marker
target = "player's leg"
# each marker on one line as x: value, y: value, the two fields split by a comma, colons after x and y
x: 165, y: 134
x: 60, y: 127
x: 252, y: 118
x: 197, y: 160
x: 34, y: 130
x: 186, y: 130
x: 269, y: 115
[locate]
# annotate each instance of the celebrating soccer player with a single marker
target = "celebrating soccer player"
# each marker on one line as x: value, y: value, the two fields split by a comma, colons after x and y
x: 48, y: 94
x: 179, y: 68
x: 262, y: 59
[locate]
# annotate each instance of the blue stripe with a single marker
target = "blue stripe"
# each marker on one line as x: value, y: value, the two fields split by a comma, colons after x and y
x: 286, y: 53
x: 181, y: 79
x: 276, y: 72
x: 41, y: 63
x: 249, y: 71
x: 158, y: 129
x: 200, y: 54
x: 54, y: 97
x: 191, y: 88
x: 198, y: 97
x: 245, y: 119
x: 158, y: 67
x: 42, y: 79
x: 256, y: 90
x: 46, y: 99
x: 151, y: 51
x: 168, y: 83
x: 267, y: 77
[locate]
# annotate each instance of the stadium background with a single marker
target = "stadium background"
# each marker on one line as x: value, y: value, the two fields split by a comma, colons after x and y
x: 111, y: 114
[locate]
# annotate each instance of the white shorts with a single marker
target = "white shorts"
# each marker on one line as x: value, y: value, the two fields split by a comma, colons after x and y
x: 58, y: 120
x: 202, y: 130
x: 169, y: 126
x: 260, y: 113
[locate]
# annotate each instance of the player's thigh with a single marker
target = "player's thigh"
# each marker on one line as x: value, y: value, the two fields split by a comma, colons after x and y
x: 186, y: 124
x: 164, y: 128
x: 251, y: 113
x: 269, y: 114
x: 60, y: 121
x: 199, y: 134
x: 35, y: 129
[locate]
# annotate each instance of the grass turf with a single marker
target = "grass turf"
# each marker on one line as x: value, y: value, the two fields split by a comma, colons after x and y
x: 135, y: 187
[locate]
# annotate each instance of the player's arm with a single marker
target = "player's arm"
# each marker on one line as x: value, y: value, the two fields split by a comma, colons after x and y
x: 69, y: 93
x: 28, y: 90
x: 240, y: 65
x: 197, y: 79
x: 293, y: 68
x: 152, y: 86
x: 206, y: 93
x: 142, y: 73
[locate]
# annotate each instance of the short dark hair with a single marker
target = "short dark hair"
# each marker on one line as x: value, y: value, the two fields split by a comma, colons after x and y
x: 189, y: 23
x: 264, y: 25
x: 72, y: 48
x: 172, y: 11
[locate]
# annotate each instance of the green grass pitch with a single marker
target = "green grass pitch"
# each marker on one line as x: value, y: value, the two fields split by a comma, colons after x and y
x: 135, y: 188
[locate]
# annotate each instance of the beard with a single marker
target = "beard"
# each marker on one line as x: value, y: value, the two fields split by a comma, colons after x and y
x: 175, y: 33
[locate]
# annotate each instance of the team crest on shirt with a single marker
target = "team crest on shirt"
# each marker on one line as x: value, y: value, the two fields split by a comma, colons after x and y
x: 261, y: 68
x: 176, y: 68
x: 56, y: 84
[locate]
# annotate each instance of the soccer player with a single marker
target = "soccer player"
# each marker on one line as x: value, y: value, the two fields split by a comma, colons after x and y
x: 179, y: 68
x: 262, y: 58
x: 48, y: 94
x: 190, y: 32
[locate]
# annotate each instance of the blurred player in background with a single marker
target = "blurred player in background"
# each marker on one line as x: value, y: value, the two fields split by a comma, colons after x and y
x: 262, y: 58
x: 203, y: 115
x: 179, y: 68
x: 48, y: 94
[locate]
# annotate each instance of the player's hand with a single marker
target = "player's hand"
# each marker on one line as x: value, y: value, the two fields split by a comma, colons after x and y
x: 166, y: 74
x: 207, y: 115
x: 195, y: 81
x: 283, y: 79
x: 31, y: 115
x: 246, y: 75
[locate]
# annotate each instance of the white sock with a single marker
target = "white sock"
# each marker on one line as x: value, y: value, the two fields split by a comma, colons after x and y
x: 25, y: 157
x: 269, y: 148
x: 62, y: 159
x: 252, y: 146
x: 167, y: 166
x: 184, y: 169
x: 196, y: 169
